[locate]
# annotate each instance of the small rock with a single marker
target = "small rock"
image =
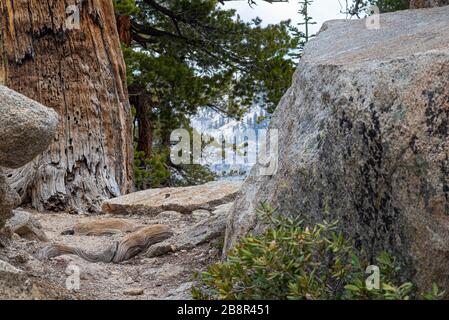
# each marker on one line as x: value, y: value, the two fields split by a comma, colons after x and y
x: 6, y: 267
x: 145, y: 260
x: 202, y: 232
x: 134, y: 292
x: 183, y: 292
x: 26, y: 226
x: 129, y: 280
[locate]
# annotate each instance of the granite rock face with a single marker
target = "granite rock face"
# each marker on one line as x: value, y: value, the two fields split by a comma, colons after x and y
x: 184, y: 200
x: 364, y: 138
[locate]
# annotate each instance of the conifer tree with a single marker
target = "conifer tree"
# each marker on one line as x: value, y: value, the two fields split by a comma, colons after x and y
x: 182, y: 55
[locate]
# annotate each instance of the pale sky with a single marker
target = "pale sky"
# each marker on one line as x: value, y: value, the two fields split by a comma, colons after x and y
x: 321, y: 11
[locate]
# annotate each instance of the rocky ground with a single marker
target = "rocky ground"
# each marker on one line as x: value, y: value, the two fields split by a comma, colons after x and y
x: 165, y: 273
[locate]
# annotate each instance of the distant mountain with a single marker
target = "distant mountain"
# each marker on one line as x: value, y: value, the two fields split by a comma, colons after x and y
x: 237, y: 137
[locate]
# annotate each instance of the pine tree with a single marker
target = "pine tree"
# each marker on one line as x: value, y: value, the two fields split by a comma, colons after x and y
x: 360, y: 7
x: 187, y: 54
x: 302, y: 32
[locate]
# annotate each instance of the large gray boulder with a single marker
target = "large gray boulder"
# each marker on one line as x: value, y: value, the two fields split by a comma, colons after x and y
x: 26, y: 128
x: 364, y: 138
x: 184, y: 199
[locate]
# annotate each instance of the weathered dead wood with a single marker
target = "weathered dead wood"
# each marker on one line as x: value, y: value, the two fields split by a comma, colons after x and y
x: 98, y: 227
x: 130, y: 246
x: 80, y: 73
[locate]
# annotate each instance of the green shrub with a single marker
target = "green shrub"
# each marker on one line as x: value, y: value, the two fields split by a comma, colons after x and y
x: 391, y: 5
x: 150, y: 172
x: 389, y: 269
x: 158, y: 171
x: 293, y: 261
x: 125, y: 7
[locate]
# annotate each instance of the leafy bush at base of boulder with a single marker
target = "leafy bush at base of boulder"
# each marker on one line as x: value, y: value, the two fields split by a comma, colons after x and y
x: 293, y: 261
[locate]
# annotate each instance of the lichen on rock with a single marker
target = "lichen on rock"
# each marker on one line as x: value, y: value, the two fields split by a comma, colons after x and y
x: 364, y: 139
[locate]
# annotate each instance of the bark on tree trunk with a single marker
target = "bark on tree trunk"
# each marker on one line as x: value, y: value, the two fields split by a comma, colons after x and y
x: 124, y: 29
x: 145, y: 127
x: 80, y: 73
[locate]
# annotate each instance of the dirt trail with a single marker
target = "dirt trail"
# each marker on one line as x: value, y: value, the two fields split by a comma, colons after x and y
x: 165, y: 277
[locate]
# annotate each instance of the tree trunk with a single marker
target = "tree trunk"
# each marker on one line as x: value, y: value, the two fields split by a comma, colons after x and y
x: 124, y: 29
x: 78, y: 71
x: 145, y: 126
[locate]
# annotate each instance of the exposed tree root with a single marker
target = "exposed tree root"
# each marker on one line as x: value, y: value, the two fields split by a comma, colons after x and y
x: 100, y: 227
x: 130, y: 246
